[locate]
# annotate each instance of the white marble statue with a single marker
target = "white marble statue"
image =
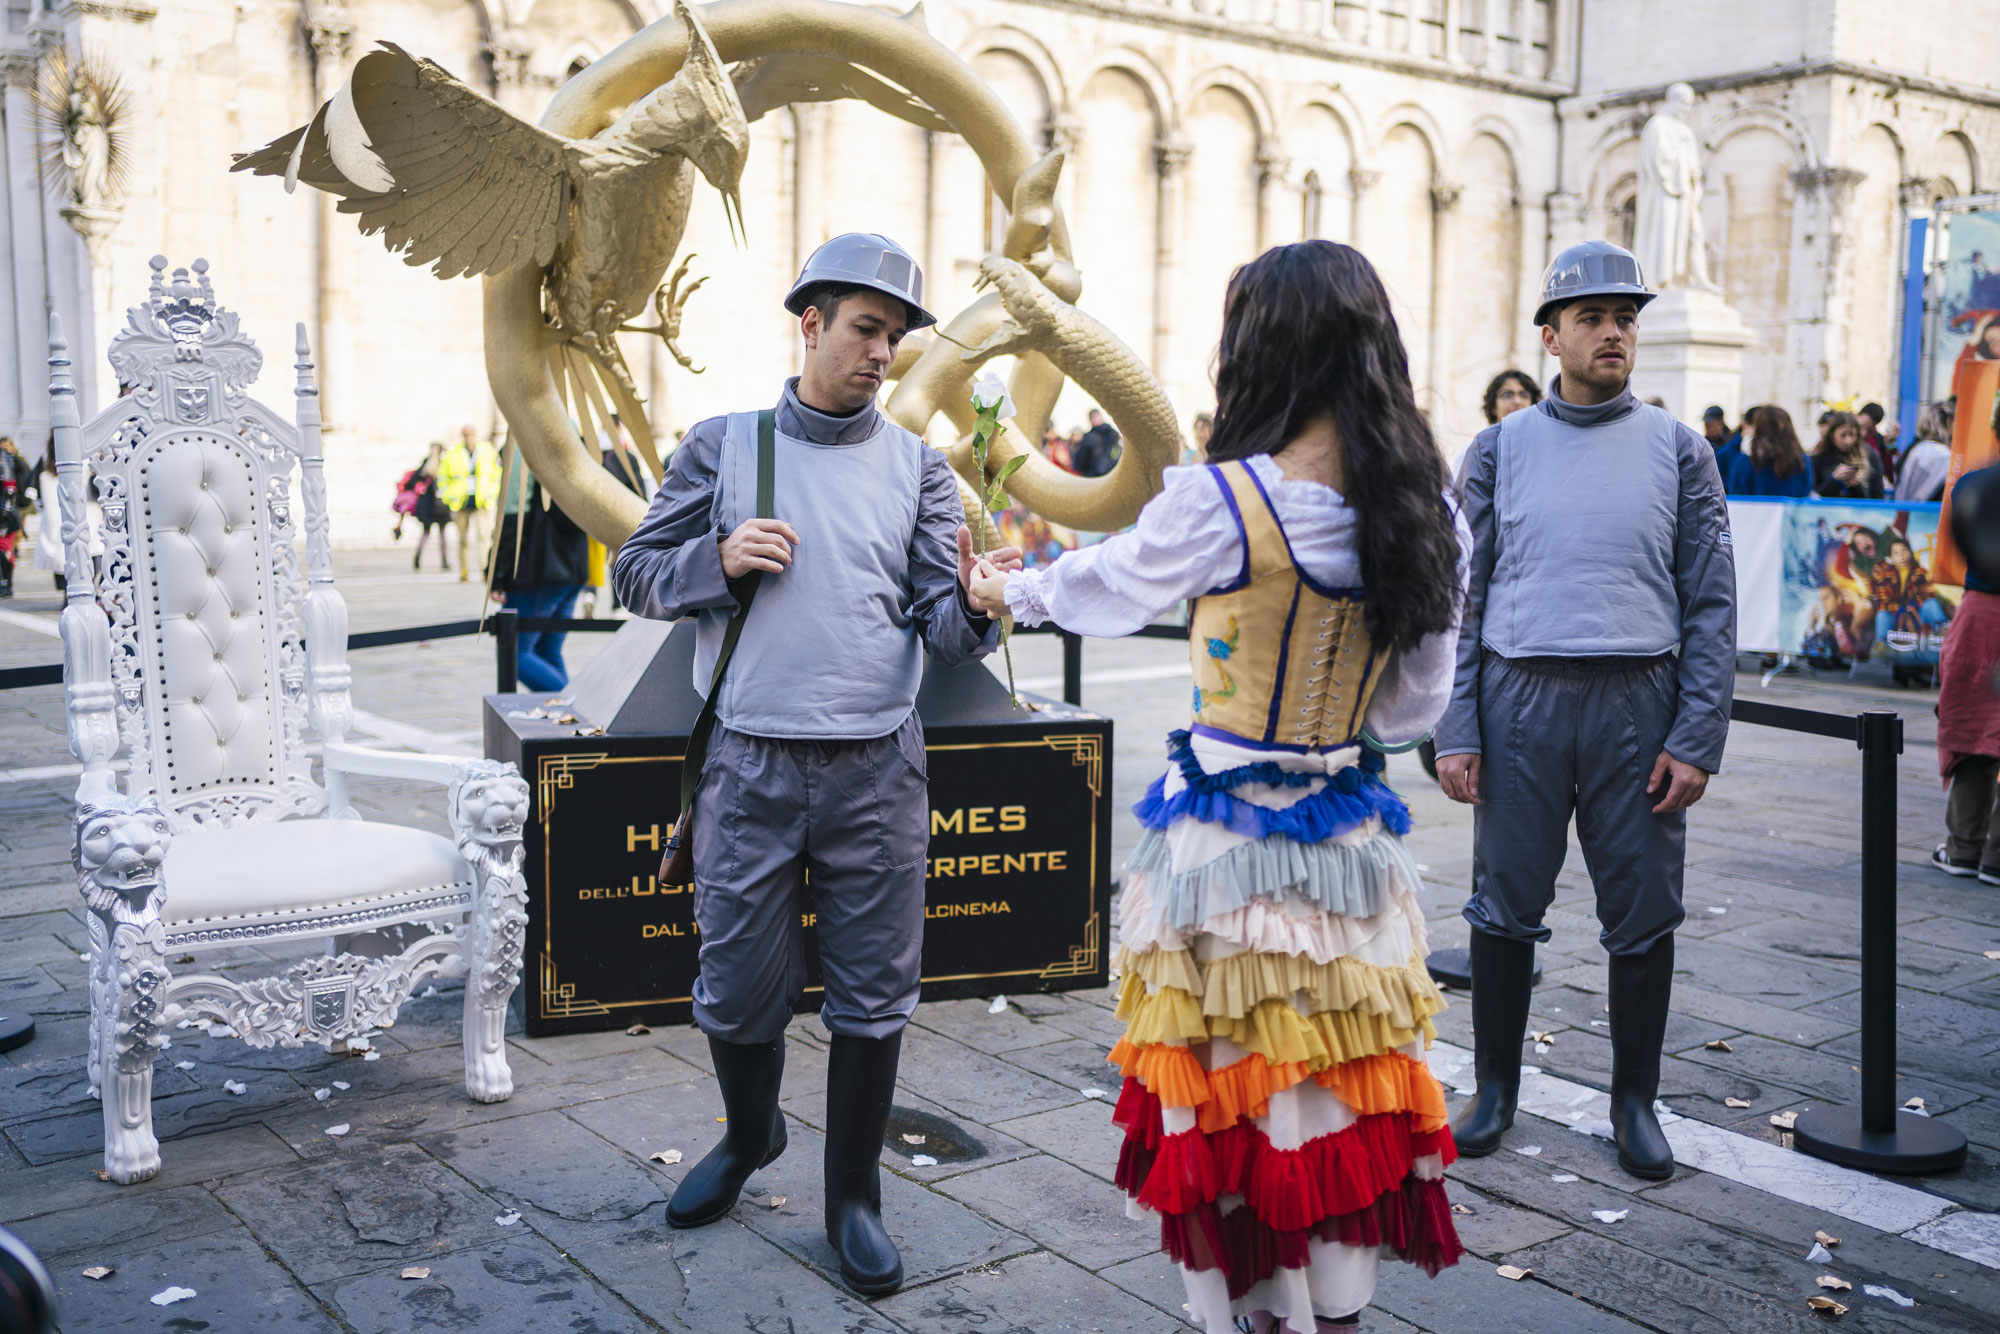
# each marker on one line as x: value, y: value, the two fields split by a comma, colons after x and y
x: 1668, y: 238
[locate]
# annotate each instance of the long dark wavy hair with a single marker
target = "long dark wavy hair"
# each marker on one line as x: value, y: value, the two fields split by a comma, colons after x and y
x: 1306, y: 332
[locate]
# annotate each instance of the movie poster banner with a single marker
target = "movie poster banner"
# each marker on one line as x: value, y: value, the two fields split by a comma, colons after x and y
x: 1857, y: 586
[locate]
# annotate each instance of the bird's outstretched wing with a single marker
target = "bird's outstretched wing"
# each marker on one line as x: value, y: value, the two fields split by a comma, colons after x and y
x: 448, y: 177
x: 769, y: 82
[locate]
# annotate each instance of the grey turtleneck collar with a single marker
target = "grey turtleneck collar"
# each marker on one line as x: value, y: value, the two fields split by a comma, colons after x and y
x: 801, y: 422
x: 1597, y: 414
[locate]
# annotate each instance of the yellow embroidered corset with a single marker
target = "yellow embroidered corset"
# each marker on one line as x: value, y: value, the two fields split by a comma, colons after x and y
x: 1278, y: 660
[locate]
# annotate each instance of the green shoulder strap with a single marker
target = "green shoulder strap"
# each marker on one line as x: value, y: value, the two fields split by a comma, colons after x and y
x: 746, y: 592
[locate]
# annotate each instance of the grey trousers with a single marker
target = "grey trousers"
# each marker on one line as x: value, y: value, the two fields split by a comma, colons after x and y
x: 1972, y: 812
x: 1575, y: 737
x: 856, y: 814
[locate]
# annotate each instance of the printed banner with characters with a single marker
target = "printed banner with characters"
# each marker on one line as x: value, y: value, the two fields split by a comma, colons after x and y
x: 1858, y: 585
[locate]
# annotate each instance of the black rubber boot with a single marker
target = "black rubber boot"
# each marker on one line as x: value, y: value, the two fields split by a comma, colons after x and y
x: 860, y: 1083
x: 1503, y: 977
x: 753, y: 1136
x: 1640, y: 987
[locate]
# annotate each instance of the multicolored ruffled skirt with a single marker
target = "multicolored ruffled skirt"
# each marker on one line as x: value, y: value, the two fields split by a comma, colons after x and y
x: 1280, y: 1122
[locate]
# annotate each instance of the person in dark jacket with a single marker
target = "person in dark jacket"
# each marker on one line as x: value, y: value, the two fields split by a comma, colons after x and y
x: 1097, y: 453
x: 541, y: 562
x: 1604, y: 697
x: 1844, y: 468
x: 1773, y: 464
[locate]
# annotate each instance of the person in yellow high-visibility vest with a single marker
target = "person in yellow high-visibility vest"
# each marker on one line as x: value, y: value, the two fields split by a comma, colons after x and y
x: 469, y: 485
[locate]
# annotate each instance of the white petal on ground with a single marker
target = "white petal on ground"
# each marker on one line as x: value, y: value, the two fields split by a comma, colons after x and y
x: 923, y: 1160
x: 1819, y: 1255
x: 1093, y: 1093
x: 321, y: 1095
x: 1877, y: 1290
x: 183, y: 1065
x: 1608, y: 1215
x: 999, y: 1005
x: 508, y: 1219
x: 1718, y: 911
x: 99, y: 1272
x: 233, y: 1086
x: 670, y: 1157
x: 1563, y: 1178
x: 339, y: 1130
x: 172, y: 1295
x: 342, y: 1085
x: 371, y: 1056
x: 1529, y: 1150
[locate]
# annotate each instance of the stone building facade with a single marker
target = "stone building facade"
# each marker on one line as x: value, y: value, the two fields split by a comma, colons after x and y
x: 1456, y: 142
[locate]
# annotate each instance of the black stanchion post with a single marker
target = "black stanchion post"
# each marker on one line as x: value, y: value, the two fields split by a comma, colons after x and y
x: 506, y: 658
x: 1072, y: 668
x: 1878, y: 1136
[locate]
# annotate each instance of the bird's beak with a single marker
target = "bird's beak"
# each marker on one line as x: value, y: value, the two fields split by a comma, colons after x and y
x: 732, y: 207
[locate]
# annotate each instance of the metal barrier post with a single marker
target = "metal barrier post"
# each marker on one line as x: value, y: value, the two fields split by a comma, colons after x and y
x: 506, y: 660
x: 1879, y: 1136
x: 1072, y: 668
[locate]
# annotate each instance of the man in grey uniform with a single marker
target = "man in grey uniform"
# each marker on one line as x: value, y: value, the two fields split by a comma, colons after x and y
x: 1596, y: 665
x: 818, y: 764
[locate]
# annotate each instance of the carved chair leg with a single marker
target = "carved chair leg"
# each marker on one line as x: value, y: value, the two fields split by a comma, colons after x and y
x: 128, y: 979
x: 494, y: 940
x: 488, y: 804
x: 120, y: 845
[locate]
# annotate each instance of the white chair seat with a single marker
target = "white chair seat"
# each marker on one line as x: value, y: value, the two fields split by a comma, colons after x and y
x: 306, y: 876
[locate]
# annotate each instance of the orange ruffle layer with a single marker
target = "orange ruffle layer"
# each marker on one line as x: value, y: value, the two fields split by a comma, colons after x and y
x: 1372, y: 1085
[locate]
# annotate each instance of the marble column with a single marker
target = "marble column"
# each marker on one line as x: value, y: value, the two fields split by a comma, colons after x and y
x: 330, y: 28
x: 1444, y: 210
x: 1170, y: 158
x: 1272, y: 166
x: 1362, y: 180
x: 25, y: 397
x: 1452, y: 16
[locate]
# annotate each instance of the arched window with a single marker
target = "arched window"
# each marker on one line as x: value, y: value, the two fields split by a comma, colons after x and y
x: 1314, y: 200
x: 576, y: 67
x: 1625, y: 220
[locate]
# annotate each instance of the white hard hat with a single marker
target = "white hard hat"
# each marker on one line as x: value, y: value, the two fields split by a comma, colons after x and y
x: 863, y: 259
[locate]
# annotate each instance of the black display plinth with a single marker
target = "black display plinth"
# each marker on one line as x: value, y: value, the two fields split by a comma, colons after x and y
x: 1018, y: 895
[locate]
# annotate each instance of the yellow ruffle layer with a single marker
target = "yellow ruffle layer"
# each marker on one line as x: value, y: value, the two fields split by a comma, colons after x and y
x: 1272, y: 1028
x: 1391, y: 1082
x: 1236, y: 984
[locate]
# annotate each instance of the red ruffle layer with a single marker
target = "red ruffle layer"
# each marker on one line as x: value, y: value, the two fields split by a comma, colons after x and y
x: 1413, y: 1221
x: 1353, y: 1186
x: 1288, y: 1188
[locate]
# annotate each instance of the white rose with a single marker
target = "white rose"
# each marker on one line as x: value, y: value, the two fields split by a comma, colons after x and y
x: 990, y: 389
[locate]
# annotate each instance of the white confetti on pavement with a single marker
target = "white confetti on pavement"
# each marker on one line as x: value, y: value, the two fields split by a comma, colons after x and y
x: 339, y: 1130
x: 1530, y: 1151
x: 508, y: 1219
x: 172, y: 1295
x: 233, y: 1086
x: 1563, y: 1178
x: 1877, y: 1290
x: 999, y: 1005
x: 923, y: 1160
x: 1608, y: 1215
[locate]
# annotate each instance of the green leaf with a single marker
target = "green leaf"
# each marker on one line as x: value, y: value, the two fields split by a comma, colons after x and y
x: 1008, y: 469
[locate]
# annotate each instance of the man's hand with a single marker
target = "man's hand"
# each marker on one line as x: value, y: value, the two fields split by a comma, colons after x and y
x: 1003, y: 560
x: 1684, y: 784
x: 760, y: 544
x: 1458, y: 775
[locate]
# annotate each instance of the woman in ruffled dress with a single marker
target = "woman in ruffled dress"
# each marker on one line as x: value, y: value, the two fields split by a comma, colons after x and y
x: 1280, y: 1122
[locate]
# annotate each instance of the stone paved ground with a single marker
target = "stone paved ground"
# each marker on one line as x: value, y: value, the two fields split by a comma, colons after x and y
x: 1017, y: 1227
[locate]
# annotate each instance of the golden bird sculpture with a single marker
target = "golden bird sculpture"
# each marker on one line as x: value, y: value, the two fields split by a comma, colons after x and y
x: 451, y: 179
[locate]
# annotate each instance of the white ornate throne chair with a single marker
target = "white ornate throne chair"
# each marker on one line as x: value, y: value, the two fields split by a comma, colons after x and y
x: 205, y: 659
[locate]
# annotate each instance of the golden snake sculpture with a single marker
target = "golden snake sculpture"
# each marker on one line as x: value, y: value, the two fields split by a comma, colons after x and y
x: 1029, y: 313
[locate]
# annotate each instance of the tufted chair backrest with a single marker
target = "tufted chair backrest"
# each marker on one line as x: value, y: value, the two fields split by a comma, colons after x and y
x: 200, y: 576
x: 206, y: 618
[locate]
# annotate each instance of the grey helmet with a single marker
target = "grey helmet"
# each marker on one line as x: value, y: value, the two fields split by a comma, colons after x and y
x: 1591, y: 268
x: 863, y: 259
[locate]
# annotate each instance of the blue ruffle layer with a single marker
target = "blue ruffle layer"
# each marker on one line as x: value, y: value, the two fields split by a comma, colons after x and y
x: 1348, y: 800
